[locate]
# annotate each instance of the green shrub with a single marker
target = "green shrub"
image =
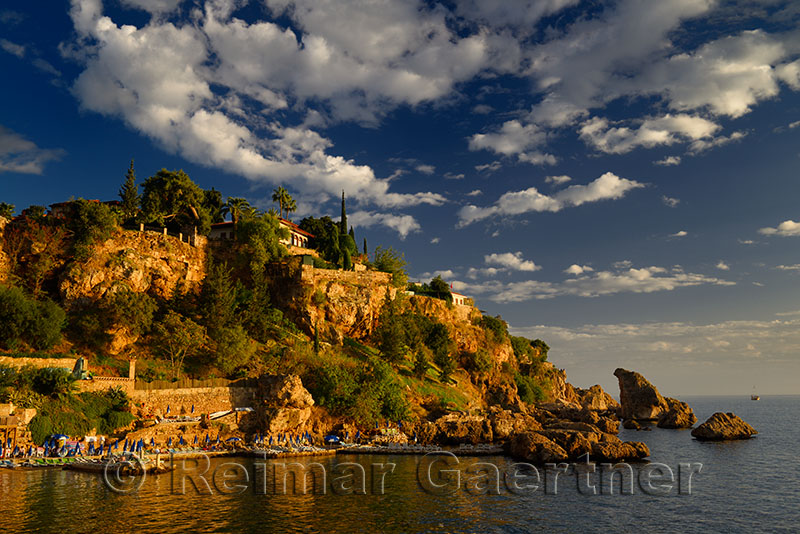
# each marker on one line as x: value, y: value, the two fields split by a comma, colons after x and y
x: 495, y: 327
x: 52, y: 382
x: 232, y: 348
x: 477, y: 362
x: 529, y: 389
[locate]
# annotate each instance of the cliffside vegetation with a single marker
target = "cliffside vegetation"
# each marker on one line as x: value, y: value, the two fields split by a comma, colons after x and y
x: 411, y: 358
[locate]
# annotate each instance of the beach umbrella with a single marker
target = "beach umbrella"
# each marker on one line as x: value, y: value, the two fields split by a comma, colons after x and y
x: 218, y: 440
x: 167, y: 409
x: 195, y: 440
x: 376, y: 425
x: 30, y: 450
x: 91, y: 448
x: 270, y: 440
x: 180, y: 441
x: 358, y: 434
x: 100, y: 451
x: 116, y: 445
x: 152, y: 442
x: 208, y: 439
x: 125, y: 446
x: 192, y: 408
x: 16, y: 451
x: 169, y: 442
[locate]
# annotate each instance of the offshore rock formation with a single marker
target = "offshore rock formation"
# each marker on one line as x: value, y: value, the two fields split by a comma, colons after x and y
x: 641, y: 401
x: 724, y: 426
x: 679, y: 415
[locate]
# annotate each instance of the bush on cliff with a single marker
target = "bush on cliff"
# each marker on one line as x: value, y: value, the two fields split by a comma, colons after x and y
x: 529, y: 389
x: 388, y: 260
x: 365, y: 392
x: 90, y: 222
x: 25, y: 320
x: 495, y: 327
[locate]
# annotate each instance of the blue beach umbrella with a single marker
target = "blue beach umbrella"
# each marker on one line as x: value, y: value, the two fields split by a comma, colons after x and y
x: 152, y: 442
x: 218, y: 440
x: 116, y: 445
x: 100, y: 451
x: 125, y: 446
x: 168, y: 409
x: 358, y: 434
x: 91, y: 448
x: 169, y: 442
x: 376, y: 425
x: 180, y: 441
x: 192, y: 408
x: 270, y: 440
x: 195, y: 440
x: 208, y: 439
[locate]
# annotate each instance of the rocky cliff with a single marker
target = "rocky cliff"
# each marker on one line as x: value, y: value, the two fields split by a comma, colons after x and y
x: 4, y: 265
x: 337, y: 303
x: 146, y: 262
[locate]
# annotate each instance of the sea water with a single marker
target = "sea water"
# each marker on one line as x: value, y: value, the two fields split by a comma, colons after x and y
x: 739, y: 486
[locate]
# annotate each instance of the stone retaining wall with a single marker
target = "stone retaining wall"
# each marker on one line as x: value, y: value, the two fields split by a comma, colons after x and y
x: 180, y: 401
x: 39, y: 363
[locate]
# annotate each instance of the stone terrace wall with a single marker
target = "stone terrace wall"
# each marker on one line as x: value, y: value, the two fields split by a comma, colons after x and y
x: 316, y: 277
x: 103, y: 383
x: 180, y: 401
x: 39, y: 363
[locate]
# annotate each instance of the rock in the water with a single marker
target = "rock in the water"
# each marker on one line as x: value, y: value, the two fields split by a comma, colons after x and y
x: 617, y: 452
x: 639, y: 399
x: 679, y: 415
x: 535, y: 448
x: 722, y: 426
x: 632, y: 424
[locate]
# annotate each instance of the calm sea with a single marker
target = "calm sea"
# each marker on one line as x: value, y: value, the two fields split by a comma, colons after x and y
x: 746, y: 486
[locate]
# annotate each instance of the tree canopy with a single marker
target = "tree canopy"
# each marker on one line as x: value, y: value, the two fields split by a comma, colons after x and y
x: 171, y: 197
x: 285, y: 201
x: 129, y: 195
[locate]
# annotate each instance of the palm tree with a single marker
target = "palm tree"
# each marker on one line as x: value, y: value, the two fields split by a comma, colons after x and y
x: 236, y: 207
x: 284, y: 200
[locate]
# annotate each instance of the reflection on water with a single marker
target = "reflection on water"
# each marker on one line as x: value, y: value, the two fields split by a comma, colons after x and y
x: 746, y: 486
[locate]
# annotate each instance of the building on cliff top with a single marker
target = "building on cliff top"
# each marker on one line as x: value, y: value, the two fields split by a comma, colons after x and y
x: 462, y: 300
x: 297, y: 236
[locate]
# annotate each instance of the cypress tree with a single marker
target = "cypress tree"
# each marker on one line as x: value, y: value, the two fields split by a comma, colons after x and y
x: 316, y: 338
x: 129, y: 194
x: 353, y: 235
x: 343, y: 223
x: 365, y: 246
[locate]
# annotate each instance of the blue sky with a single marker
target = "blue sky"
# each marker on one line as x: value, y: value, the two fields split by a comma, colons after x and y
x: 617, y: 178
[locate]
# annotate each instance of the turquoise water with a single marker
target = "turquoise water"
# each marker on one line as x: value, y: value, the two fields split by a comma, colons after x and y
x: 747, y: 486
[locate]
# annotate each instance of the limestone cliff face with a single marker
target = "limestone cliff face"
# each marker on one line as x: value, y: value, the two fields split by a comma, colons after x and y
x: 468, y: 337
x: 146, y: 262
x: 4, y: 266
x: 339, y: 303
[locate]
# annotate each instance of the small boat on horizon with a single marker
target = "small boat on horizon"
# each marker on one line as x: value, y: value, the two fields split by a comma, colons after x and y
x: 755, y: 397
